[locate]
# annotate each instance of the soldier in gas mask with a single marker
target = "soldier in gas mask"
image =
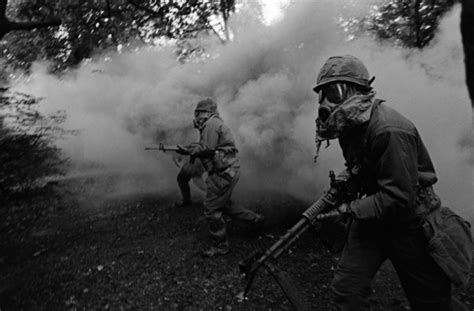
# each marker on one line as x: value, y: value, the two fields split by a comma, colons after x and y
x: 218, y: 154
x: 398, y: 215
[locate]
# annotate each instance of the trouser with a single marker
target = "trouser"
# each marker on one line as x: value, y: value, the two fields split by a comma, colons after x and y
x: 218, y: 203
x: 188, y: 171
x: 183, y: 181
x: 368, y: 245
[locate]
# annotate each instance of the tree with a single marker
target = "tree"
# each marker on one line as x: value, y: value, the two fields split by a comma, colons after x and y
x: 467, y: 30
x: 6, y: 25
x: 413, y: 23
x: 93, y: 26
x: 407, y: 23
x: 27, y: 137
x: 226, y: 8
x: 27, y: 149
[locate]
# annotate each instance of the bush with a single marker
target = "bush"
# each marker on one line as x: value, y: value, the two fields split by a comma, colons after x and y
x: 28, y: 152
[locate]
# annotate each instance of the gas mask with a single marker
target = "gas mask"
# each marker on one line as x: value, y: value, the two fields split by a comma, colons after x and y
x: 200, y: 118
x: 341, y: 107
x: 331, y: 96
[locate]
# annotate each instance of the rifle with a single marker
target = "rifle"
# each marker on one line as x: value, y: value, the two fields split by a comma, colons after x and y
x: 342, y: 190
x: 176, y: 148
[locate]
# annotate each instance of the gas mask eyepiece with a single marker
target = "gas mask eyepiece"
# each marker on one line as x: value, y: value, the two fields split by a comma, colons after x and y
x: 330, y: 96
x: 200, y: 117
x: 335, y: 92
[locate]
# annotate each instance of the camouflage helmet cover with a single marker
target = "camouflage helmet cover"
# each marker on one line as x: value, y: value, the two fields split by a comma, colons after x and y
x: 343, y: 68
x: 207, y: 105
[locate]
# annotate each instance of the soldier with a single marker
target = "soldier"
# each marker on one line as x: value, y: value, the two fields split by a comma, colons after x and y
x: 398, y: 212
x: 218, y: 154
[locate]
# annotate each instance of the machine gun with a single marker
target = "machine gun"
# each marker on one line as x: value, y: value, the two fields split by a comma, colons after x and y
x: 342, y: 190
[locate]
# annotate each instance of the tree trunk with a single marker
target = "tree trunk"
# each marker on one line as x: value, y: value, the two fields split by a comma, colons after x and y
x: 467, y: 31
x: 416, y: 25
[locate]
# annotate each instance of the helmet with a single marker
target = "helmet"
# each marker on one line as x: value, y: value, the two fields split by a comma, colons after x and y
x: 343, y: 68
x: 207, y: 105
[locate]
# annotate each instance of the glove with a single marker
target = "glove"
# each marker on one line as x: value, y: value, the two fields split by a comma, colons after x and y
x: 198, y: 150
x: 345, y: 209
x: 345, y: 212
x: 195, y: 149
x: 333, y: 230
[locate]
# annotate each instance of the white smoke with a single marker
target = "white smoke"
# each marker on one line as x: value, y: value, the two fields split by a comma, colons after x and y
x: 263, y: 83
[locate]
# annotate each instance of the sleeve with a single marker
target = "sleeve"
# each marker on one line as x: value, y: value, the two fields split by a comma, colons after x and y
x: 208, y: 142
x: 394, y: 155
x: 210, y: 136
x: 226, y: 143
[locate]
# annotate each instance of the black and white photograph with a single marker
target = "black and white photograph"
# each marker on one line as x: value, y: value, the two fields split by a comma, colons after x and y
x: 237, y: 155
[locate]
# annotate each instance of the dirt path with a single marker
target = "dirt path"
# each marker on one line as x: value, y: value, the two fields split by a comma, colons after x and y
x: 141, y: 253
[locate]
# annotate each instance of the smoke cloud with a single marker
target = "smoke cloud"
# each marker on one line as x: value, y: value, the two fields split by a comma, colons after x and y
x: 263, y: 83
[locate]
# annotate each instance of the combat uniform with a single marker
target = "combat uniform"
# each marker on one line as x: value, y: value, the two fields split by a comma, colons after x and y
x: 188, y: 171
x: 218, y: 154
x: 394, y: 216
x: 392, y: 166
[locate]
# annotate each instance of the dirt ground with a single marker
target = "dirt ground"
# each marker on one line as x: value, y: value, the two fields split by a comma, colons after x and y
x: 64, y: 249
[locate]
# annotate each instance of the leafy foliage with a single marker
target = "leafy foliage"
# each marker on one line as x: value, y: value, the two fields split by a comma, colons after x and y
x: 89, y: 26
x: 406, y: 23
x: 27, y: 149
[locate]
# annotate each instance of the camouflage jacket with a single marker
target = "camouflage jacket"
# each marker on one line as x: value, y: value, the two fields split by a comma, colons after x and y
x: 216, y: 136
x: 389, y: 161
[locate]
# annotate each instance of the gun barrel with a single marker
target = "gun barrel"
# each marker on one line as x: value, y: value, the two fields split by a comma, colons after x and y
x: 286, y: 241
x: 294, y: 233
x: 337, y: 193
x: 302, y: 229
x: 170, y: 149
x: 161, y: 147
x: 310, y: 215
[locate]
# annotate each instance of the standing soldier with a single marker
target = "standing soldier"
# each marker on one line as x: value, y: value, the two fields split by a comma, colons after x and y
x: 218, y: 154
x: 398, y: 214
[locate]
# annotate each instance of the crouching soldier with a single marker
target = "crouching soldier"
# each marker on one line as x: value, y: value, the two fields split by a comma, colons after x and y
x: 217, y: 151
x: 398, y: 215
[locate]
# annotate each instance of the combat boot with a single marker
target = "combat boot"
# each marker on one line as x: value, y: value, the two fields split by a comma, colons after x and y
x: 220, y: 249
